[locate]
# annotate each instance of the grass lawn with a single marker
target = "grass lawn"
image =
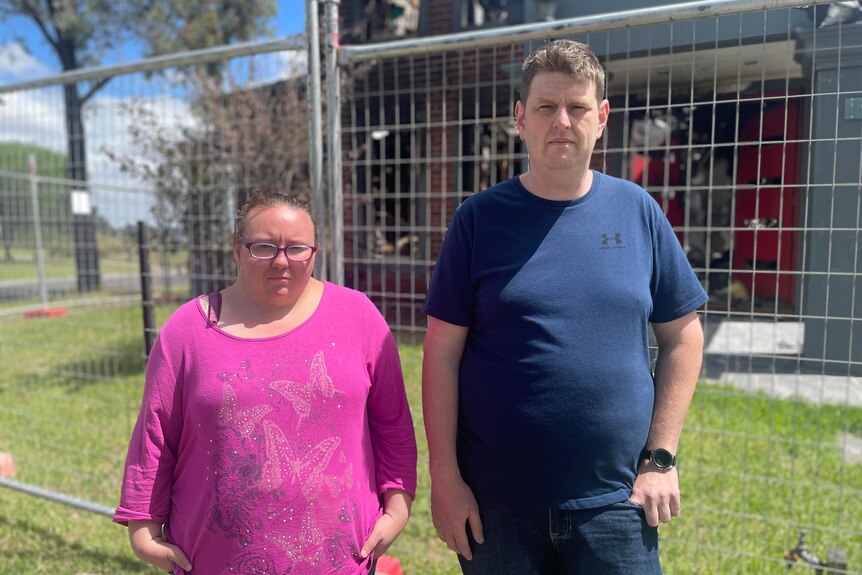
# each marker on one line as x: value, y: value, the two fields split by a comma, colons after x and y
x: 67, y: 394
x: 113, y: 259
x: 754, y: 470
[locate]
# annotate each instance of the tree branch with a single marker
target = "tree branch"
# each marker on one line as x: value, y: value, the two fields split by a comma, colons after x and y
x: 94, y: 88
x: 29, y: 9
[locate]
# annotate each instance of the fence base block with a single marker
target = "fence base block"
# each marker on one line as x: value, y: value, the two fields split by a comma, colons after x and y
x: 7, y: 465
x: 387, y: 565
x: 54, y: 312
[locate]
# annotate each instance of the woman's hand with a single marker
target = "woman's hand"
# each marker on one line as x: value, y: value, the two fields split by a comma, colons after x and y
x: 396, y: 511
x: 150, y: 546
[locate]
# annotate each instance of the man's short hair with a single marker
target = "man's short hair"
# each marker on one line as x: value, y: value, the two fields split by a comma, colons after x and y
x: 565, y: 56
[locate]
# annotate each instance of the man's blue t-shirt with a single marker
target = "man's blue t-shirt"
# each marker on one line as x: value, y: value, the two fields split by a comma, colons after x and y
x: 556, y: 390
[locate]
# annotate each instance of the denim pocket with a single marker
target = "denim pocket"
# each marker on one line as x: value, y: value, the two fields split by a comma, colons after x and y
x: 629, y: 505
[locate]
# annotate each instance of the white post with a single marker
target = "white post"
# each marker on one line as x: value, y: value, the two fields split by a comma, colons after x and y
x: 37, y: 229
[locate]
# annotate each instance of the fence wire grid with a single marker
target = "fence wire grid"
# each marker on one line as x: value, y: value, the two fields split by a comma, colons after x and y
x: 742, y: 119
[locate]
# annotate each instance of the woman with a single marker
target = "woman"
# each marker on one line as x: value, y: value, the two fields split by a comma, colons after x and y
x: 274, y: 434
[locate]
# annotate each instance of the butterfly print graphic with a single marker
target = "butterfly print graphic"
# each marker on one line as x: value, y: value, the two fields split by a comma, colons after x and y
x: 244, y: 373
x: 337, y: 485
x: 241, y: 420
x: 300, y: 395
x: 281, y: 461
x: 305, y: 547
x: 320, y: 380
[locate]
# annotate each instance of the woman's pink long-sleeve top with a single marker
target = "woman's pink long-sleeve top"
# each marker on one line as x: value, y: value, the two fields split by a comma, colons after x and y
x: 271, y: 455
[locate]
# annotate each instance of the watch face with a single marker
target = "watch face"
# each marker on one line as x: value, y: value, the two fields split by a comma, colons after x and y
x: 662, y: 458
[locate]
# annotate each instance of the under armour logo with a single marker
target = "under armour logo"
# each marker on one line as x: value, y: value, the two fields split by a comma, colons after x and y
x: 617, y: 240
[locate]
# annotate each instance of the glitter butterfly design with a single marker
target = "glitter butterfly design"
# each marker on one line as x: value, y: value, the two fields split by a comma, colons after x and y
x: 242, y: 420
x: 300, y: 395
x: 244, y: 373
x: 312, y: 547
x: 281, y: 461
x: 338, y: 485
x: 304, y: 547
x: 320, y: 380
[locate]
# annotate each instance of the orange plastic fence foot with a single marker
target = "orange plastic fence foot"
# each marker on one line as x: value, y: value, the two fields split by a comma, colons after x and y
x: 387, y: 565
x: 7, y: 466
x: 53, y: 312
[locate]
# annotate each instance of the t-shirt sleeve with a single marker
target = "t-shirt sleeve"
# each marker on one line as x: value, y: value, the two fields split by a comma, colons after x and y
x: 393, y: 439
x: 146, y: 489
x: 674, y: 286
x: 451, y: 294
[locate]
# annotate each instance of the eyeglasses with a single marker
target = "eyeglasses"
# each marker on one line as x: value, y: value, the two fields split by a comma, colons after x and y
x: 264, y: 251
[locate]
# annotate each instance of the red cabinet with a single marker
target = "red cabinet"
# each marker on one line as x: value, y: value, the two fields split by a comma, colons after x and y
x: 767, y: 197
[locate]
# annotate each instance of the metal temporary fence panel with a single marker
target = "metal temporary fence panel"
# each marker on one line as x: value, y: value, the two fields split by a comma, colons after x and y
x: 167, y: 147
x: 742, y: 120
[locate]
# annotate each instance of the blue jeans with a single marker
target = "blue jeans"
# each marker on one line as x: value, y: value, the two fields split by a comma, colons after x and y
x: 522, y: 538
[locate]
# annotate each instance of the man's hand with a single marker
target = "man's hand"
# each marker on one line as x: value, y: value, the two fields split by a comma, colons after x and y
x: 657, y: 491
x: 150, y: 546
x: 680, y: 352
x: 453, y: 506
x: 396, y: 511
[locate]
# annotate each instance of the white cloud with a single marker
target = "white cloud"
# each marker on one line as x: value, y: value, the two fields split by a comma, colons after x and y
x: 265, y: 69
x: 295, y: 63
x: 34, y: 117
x: 17, y: 65
x: 108, y: 120
x: 37, y: 117
x: 123, y: 198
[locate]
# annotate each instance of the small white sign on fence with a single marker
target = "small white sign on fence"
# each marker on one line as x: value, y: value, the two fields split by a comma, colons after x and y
x: 81, y: 205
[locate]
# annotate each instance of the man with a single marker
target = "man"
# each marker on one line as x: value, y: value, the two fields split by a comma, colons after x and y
x: 551, y: 441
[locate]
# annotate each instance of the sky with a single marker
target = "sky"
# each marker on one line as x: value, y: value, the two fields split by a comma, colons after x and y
x: 36, y: 116
x: 25, y: 55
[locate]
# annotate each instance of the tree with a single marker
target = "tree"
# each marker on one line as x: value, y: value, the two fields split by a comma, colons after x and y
x: 79, y: 31
x: 245, y: 137
x: 170, y: 26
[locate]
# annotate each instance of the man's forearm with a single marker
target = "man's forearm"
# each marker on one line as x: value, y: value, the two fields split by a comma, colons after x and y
x: 676, y: 372
x: 440, y: 414
x: 443, y: 349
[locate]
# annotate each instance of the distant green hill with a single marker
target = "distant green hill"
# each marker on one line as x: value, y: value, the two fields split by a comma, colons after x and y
x: 13, y: 158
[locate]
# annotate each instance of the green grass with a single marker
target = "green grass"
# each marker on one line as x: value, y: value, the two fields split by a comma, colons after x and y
x: 115, y: 257
x: 68, y: 388
x: 22, y: 269
x: 754, y: 470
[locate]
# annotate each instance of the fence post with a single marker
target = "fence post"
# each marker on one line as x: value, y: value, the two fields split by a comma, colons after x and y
x: 333, y: 111
x: 37, y: 230
x: 147, y: 304
x: 315, y: 148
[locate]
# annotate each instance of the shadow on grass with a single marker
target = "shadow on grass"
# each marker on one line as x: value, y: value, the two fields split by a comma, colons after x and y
x: 124, y: 359
x: 54, y: 548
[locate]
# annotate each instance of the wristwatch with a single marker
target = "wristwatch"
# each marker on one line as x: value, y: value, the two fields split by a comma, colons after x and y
x: 661, y: 458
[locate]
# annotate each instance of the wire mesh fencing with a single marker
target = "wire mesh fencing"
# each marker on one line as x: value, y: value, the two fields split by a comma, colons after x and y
x: 742, y: 119
x: 743, y: 123
x: 105, y: 232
